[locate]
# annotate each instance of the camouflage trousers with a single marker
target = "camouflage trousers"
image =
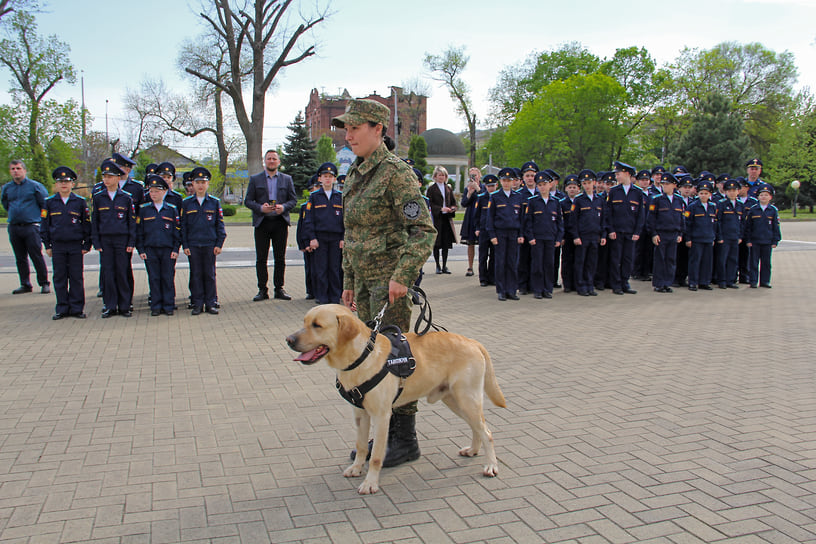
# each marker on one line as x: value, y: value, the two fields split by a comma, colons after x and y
x: 371, y: 294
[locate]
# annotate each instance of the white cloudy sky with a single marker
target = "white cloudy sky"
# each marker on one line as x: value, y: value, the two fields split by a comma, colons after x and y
x: 367, y: 46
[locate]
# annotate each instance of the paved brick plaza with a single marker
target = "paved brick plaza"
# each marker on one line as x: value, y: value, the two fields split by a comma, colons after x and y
x: 664, y: 418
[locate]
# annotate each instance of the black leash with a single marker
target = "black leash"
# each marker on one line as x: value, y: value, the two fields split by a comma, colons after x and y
x: 419, y: 298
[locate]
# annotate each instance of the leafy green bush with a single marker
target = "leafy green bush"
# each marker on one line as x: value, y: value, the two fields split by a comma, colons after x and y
x: 229, y: 209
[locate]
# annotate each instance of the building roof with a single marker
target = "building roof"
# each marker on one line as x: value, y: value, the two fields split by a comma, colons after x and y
x: 443, y: 143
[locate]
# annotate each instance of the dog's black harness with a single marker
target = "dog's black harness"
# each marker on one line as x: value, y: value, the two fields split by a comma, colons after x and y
x: 400, y: 362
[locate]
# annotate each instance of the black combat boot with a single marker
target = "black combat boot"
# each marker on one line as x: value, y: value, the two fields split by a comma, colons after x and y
x: 402, y: 442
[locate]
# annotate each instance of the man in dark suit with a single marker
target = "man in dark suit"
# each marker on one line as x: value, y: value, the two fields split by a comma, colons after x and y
x: 270, y: 195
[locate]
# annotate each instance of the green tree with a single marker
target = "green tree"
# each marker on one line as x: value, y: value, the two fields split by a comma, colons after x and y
x: 36, y: 65
x: 447, y: 68
x: 492, y: 152
x: 757, y: 81
x: 568, y: 125
x: 793, y: 156
x: 325, y: 150
x: 418, y: 151
x: 715, y: 140
x: 518, y: 84
x: 299, y: 157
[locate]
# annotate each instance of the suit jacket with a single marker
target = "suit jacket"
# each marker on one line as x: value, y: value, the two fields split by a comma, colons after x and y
x: 257, y: 194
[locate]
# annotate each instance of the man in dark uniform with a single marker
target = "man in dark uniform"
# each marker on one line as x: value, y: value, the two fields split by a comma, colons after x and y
x: 654, y: 188
x: 644, y: 249
x: 158, y: 238
x: 527, y: 189
x: 665, y: 224
x: 625, y: 216
x: 303, y: 242
x: 504, y: 221
x: 544, y: 229
x: 571, y: 189
x: 762, y: 234
x: 605, y: 180
x: 113, y: 229
x: 167, y: 171
x: 700, y: 232
x: 587, y: 228
x: 136, y: 190
x: 66, y: 235
x: 557, y: 194
x: 685, y: 185
x: 24, y: 200
x: 748, y: 202
x: 730, y: 215
x: 487, y: 260
x: 754, y: 169
x: 323, y: 227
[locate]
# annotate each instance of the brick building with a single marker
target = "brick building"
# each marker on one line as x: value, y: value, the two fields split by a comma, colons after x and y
x: 411, y: 112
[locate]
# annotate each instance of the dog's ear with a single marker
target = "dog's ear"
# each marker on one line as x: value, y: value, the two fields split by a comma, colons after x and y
x: 345, y: 329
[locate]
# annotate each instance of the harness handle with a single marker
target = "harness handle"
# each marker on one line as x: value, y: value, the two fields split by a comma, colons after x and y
x: 421, y: 299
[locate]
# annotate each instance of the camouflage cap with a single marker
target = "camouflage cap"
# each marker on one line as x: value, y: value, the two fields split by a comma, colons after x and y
x: 359, y: 111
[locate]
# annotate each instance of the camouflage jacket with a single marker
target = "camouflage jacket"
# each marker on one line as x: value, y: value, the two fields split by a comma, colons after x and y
x: 387, y: 224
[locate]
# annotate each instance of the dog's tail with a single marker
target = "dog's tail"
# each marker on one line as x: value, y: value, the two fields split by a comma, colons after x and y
x: 490, y: 384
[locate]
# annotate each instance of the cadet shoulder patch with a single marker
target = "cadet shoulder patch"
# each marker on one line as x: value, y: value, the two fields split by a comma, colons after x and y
x: 411, y: 210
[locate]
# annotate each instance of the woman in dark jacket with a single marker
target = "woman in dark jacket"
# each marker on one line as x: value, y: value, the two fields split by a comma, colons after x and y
x: 469, y: 227
x: 443, y: 209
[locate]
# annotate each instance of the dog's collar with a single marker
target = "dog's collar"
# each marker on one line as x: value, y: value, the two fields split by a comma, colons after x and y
x: 368, y: 349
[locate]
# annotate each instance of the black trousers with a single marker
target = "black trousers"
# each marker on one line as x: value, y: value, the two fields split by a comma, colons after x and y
x: 116, y: 293
x: 760, y: 259
x: 202, y: 276
x: 621, y: 260
x: 585, y: 265
x: 161, y: 277
x: 665, y: 260
x: 327, y: 282
x: 69, y: 283
x: 701, y: 255
x: 568, y: 264
x: 487, y: 259
x: 542, y: 267
x: 272, y: 230
x: 26, y: 243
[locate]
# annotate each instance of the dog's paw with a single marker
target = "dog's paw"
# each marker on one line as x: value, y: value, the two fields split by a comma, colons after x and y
x: 353, y: 471
x: 367, y: 488
x: 468, y: 452
x: 491, y: 471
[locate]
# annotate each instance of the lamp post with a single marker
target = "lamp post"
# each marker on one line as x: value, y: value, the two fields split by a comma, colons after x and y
x: 795, y: 185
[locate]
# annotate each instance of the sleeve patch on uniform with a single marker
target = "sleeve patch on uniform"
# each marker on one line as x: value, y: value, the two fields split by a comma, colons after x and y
x: 411, y: 210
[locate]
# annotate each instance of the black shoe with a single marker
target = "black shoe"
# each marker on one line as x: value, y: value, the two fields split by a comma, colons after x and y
x: 154, y: 313
x: 593, y: 294
x: 630, y: 291
x: 169, y: 312
x: 745, y: 282
x: 80, y: 315
x: 706, y: 287
x: 617, y: 291
x: 128, y: 313
x: 402, y: 443
x: 99, y: 294
x: 483, y: 283
x: 723, y: 286
x: 438, y: 270
x: 522, y: 292
x: 22, y: 289
x: 557, y: 285
x: 599, y: 288
x: 547, y: 295
x: 658, y: 290
x: 107, y: 313
x: 190, y: 306
x: 668, y: 289
x: 309, y: 296
x: 583, y: 293
x: 262, y: 295
x: 212, y: 310
x: 512, y: 296
x: 502, y: 297
x: 196, y: 311
x: 469, y: 272
x: 281, y: 294
x: 752, y: 286
x: 765, y: 285
x: 732, y: 286
x: 539, y: 295
x: 692, y: 287
x: 216, y: 304
x: 568, y: 290
x: 446, y: 271
x: 45, y: 289
x: 57, y: 316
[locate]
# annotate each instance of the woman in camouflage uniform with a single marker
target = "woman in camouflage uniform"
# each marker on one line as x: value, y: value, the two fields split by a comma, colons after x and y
x: 388, y: 237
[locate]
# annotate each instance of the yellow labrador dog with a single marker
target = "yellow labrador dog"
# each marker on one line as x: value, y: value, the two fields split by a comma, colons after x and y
x: 449, y: 367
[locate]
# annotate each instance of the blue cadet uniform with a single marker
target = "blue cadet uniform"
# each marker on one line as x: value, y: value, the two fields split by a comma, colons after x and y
x: 487, y: 258
x: 730, y: 220
x: 324, y: 223
x: 744, y: 265
x: 558, y: 195
x: 524, y: 269
x: 701, y: 231
x: 158, y: 236
x: 681, y: 268
x: 543, y: 227
x: 172, y: 197
x: 136, y: 190
x: 666, y: 220
x: 504, y: 215
x: 202, y: 230
x: 66, y: 231
x: 568, y: 245
x: 303, y: 244
x: 602, y: 268
x: 587, y: 227
x: 625, y: 216
x: 644, y: 250
x: 755, y: 186
x: 763, y: 233
x: 113, y: 230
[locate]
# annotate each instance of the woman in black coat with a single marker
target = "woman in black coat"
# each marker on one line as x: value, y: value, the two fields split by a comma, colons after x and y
x: 443, y: 209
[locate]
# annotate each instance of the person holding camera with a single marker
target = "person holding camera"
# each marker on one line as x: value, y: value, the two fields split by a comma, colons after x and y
x: 470, y: 202
x: 270, y: 195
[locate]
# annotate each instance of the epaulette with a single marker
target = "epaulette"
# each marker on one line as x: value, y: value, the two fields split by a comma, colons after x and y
x: 316, y: 190
x: 137, y: 182
x: 188, y: 198
x: 143, y: 204
x: 496, y: 191
x: 531, y: 197
x: 171, y: 205
x: 51, y: 196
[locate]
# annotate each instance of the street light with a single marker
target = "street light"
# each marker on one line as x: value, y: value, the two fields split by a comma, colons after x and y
x: 795, y: 185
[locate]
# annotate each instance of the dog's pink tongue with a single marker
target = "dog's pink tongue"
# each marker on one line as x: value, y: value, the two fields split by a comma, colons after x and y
x: 307, y: 356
